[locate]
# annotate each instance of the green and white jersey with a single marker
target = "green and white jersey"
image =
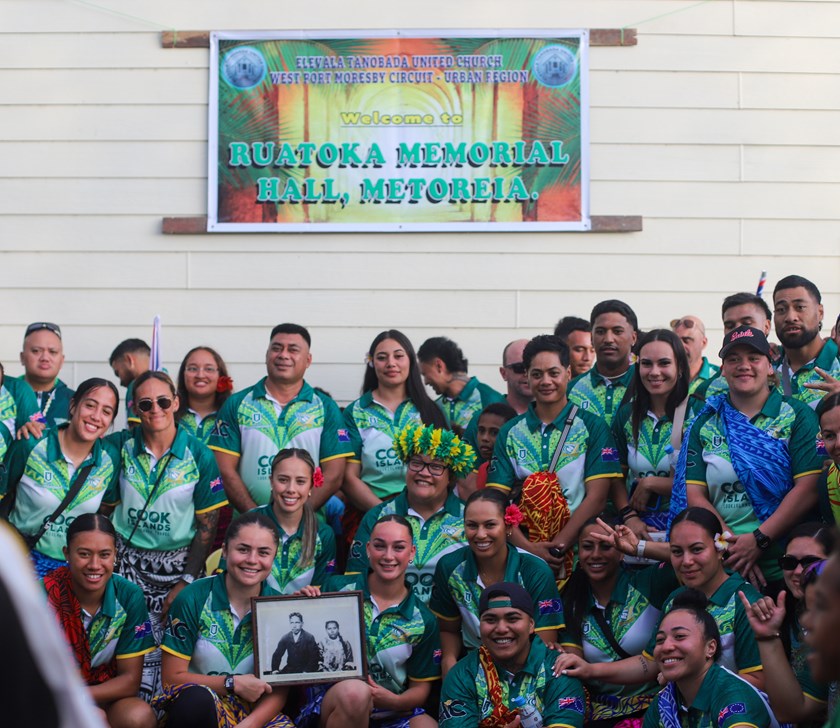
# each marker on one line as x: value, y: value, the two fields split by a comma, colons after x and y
x: 254, y: 427
x: 203, y: 629
x: 441, y: 534
x: 457, y: 588
x: 472, y: 399
x: 199, y: 427
x: 723, y: 701
x: 709, y: 463
x: 43, y: 476
x: 372, y: 429
x: 738, y: 648
x: 633, y: 614
x: 121, y: 628
x: 18, y: 405
x: 827, y: 360
x: 707, y: 372
x: 54, y: 403
x: 646, y: 458
x: 288, y: 575
x: 599, y: 395
x: 402, y: 642
x: 464, y: 697
x: 191, y: 484
x: 709, y: 388
x: 525, y: 446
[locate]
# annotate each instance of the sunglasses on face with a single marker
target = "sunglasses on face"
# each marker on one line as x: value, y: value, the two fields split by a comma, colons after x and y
x: 517, y: 368
x: 145, y: 405
x: 683, y: 323
x: 789, y: 563
x: 417, y: 466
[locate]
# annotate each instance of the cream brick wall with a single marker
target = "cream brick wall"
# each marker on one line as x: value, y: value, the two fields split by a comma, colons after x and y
x: 720, y: 128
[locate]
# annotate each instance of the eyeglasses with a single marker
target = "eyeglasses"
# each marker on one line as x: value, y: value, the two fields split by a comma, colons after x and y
x: 192, y: 369
x: 145, y: 405
x: 417, y: 466
x: 789, y: 563
x: 517, y: 368
x: 41, y: 326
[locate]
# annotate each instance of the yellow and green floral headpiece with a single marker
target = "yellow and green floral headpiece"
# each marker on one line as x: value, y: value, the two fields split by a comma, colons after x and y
x: 436, y: 443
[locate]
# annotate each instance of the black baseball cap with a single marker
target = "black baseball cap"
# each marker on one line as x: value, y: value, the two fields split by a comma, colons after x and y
x: 41, y: 326
x: 506, y: 594
x: 746, y: 336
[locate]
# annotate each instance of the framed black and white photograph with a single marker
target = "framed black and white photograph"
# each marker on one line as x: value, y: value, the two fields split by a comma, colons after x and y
x: 299, y: 640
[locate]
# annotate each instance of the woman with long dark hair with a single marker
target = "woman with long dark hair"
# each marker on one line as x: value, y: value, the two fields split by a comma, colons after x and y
x: 643, y: 431
x: 42, y: 473
x: 203, y: 387
x: 392, y: 396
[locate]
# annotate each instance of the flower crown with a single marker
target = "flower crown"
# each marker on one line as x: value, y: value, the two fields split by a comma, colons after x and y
x: 436, y: 443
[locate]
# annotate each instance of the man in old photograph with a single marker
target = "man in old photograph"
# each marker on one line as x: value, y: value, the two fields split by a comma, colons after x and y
x: 298, y: 647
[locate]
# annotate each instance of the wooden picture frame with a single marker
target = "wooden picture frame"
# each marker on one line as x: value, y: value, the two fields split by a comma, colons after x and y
x: 320, y: 652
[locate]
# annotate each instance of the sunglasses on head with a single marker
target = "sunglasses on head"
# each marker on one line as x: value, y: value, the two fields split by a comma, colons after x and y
x: 145, y: 405
x: 683, y: 323
x: 517, y: 368
x: 789, y: 563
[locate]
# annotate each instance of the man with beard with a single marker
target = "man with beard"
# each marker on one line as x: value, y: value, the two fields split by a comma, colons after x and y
x: 798, y: 317
x: 601, y: 390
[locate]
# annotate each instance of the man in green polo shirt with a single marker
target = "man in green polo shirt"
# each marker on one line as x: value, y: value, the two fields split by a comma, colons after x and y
x: 511, y: 672
x: 601, y: 390
x: 129, y: 360
x: 714, y: 482
x: 799, y: 318
x: 692, y: 332
x: 444, y: 369
x: 526, y: 445
x: 279, y: 411
x: 42, y: 357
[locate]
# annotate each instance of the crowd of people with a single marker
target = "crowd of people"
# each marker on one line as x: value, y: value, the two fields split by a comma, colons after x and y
x: 630, y: 535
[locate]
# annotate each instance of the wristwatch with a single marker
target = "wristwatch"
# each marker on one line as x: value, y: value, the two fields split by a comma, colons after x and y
x: 761, y: 540
x: 229, y: 684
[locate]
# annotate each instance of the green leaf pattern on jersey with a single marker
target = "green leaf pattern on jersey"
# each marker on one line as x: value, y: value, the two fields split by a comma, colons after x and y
x: 298, y: 417
x: 523, y: 441
x: 436, y: 541
x: 218, y: 629
x: 386, y: 645
x: 532, y: 686
x: 53, y: 475
x: 621, y: 618
x: 178, y: 472
x: 280, y: 578
x: 8, y: 409
x: 377, y: 417
x: 103, y: 631
x: 648, y: 448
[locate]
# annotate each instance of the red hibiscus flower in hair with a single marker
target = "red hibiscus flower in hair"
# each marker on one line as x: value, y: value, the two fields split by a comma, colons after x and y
x: 317, y: 478
x: 513, y: 516
x: 225, y: 384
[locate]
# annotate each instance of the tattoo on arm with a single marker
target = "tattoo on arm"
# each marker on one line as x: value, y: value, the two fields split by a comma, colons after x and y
x: 205, y: 532
x: 644, y: 665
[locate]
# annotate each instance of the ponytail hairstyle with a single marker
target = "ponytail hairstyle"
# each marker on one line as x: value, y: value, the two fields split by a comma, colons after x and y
x: 395, y: 518
x: 251, y: 518
x: 703, y: 517
x: 309, y: 520
x: 91, y: 522
x: 696, y: 603
x: 491, y: 495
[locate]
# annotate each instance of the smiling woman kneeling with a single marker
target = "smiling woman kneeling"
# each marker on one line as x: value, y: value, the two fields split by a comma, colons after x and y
x: 699, y: 691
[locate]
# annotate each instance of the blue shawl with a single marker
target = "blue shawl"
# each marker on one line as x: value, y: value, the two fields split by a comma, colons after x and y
x: 761, y: 462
